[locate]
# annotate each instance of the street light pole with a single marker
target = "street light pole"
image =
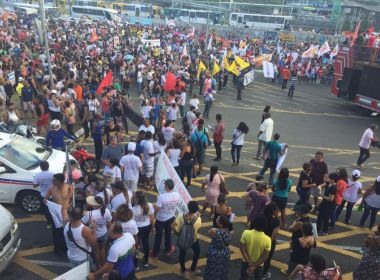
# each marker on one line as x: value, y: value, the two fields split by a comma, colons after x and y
x: 46, y: 43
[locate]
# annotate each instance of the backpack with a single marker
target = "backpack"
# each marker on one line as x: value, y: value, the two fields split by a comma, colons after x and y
x: 186, y: 235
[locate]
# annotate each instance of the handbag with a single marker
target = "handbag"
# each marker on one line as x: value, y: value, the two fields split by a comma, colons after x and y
x: 222, y: 186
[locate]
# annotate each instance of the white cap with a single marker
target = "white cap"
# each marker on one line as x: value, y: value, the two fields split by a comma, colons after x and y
x: 54, y: 91
x: 356, y: 174
x: 20, y: 79
x: 131, y: 146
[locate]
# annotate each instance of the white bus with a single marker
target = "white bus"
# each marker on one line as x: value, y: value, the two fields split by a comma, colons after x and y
x: 90, y: 3
x: 137, y: 10
x: 267, y: 22
x: 203, y: 17
x: 94, y: 13
x: 50, y: 11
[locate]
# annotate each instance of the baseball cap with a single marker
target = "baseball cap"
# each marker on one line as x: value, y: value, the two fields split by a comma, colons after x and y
x: 91, y: 200
x: 131, y: 146
x: 356, y: 174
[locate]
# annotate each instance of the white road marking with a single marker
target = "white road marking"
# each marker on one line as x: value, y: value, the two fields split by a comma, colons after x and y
x: 51, y: 263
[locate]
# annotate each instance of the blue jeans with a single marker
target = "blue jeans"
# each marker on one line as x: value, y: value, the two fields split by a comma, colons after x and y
x: 207, y: 109
x: 257, y: 274
x: 269, y: 164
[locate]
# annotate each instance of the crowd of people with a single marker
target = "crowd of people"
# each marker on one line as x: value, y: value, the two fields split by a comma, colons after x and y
x: 111, y: 220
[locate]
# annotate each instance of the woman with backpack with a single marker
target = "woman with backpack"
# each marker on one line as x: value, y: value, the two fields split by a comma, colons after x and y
x: 98, y: 213
x: 218, y: 256
x: 187, y: 226
x: 371, y: 201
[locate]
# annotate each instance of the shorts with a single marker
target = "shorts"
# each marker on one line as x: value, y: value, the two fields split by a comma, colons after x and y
x: 131, y: 185
x: 314, y: 191
x: 43, y: 120
x: 148, y: 169
x: 102, y: 239
x: 280, y: 201
x: 27, y: 105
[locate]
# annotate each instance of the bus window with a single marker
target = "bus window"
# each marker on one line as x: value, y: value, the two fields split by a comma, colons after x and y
x: 256, y: 18
x: 240, y: 19
x: 107, y: 15
x: 131, y: 8
x: 280, y: 20
x: 271, y: 20
x: 247, y: 18
x: 234, y: 17
x: 263, y: 19
x: 137, y: 12
x: 185, y: 13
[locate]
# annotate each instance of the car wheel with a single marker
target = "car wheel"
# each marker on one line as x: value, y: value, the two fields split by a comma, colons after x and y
x: 29, y: 202
x: 90, y: 166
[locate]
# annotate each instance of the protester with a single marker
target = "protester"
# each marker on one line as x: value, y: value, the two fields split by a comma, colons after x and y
x: 301, y: 211
x: 131, y: 167
x: 212, y: 183
x: 281, y: 188
x: 218, y: 136
x: 113, y: 151
x: 328, y: 205
x: 371, y: 202
x: 121, y: 196
x: 264, y: 135
x: 222, y: 209
x: 367, y: 139
x: 237, y: 142
x: 305, y: 183
x: 341, y: 186
x: 165, y: 215
x: 201, y: 141
x: 258, y: 198
x: 318, y: 171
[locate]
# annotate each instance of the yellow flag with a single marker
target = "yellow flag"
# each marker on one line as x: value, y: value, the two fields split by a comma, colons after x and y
x: 216, y: 69
x: 201, y: 67
x: 241, y: 62
x: 226, y: 64
x: 234, y: 68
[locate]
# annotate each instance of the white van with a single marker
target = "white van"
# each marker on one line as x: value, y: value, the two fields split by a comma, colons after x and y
x: 9, y: 238
x: 19, y: 162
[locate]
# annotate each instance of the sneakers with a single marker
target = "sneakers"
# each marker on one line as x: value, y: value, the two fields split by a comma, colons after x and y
x: 267, y: 275
x: 153, y: 255
x: 171, y: 251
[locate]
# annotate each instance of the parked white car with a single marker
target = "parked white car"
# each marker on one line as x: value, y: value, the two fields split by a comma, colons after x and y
x: 9, y: 238
x: 19, y: 162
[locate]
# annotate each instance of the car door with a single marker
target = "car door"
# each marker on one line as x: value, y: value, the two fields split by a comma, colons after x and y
x: 6, y: 176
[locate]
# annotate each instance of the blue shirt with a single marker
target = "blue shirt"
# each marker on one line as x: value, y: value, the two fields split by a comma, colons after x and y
x: 274, y: 149
x: 56, y: 138
x: 27, y: 94
x: 282, y: 193
x: 199, y: 138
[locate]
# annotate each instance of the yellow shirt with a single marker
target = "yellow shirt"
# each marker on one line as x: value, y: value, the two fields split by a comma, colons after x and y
x: 179, y: 223
x: 256, y: 242
x: 19, y: 89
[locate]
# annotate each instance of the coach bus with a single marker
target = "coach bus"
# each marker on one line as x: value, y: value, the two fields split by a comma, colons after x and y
x: 20, y: 8
x: 268, y: 22
x: 138, y: 10
x: 90, y: 3
x: 203, y: 17
x: 96, y: 13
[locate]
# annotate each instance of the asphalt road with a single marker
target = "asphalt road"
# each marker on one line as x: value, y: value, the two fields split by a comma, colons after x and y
x: 313, y: 120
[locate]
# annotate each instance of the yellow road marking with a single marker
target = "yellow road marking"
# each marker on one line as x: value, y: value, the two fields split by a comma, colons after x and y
x: 36, y: 269
x: 35, y: 251
x: 34, y: 218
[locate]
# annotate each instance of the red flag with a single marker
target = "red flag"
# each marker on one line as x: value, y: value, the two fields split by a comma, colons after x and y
x: 355, y: 34
x: 170, y: 82
x: 106, y: 82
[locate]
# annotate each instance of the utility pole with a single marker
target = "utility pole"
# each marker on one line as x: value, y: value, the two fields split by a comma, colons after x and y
x: 46, y: 43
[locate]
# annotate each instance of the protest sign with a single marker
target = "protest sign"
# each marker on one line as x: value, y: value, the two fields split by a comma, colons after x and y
x: 249, y: 77
x: 268, y: 69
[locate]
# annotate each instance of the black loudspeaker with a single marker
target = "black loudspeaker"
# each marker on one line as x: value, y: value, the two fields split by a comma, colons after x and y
x: 350, y: 83
x: 370, y: 82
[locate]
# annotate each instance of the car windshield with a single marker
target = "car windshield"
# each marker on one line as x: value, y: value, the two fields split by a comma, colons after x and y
x: 24, y: 153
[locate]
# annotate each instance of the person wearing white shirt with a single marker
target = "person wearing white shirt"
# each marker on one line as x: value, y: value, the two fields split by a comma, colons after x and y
x: 172, y: 111
x: 168, y: 130
x: 350, y: 195
x: 165, y: 214
x: 191, y: 117
x: 121, y: 196
x: 124, y: 215
x: 173, y: 154
x: 238, y: 142
x: 148, y: 158
x: 182, y: 103
x: 102, y: 218
x: 121, y: 254
x: 365, y: 142
x: 44, y: 180
x: 194, y: 101
x: 147, y: 126
x: 131, y: 167
x: 139, y: 80
x: 143, y: 214
x: 112, y: 170
x: 264, y: 135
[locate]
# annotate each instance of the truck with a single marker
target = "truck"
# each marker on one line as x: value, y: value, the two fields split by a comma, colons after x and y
x: 357, y: 76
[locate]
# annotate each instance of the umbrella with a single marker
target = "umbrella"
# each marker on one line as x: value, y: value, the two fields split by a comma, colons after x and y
x: 128, y: 57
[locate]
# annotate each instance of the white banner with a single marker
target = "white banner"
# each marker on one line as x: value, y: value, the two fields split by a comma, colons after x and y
x: 249, y: 77
x: 12, y: 77
x: 164, y: 171
x: 79, y: 272
x: 268, y: 69
x: 153, y: 43
x: 56, y: 213
x: 281, y: 159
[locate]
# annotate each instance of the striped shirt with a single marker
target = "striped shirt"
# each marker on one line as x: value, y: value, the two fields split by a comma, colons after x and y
x: 293, y: 81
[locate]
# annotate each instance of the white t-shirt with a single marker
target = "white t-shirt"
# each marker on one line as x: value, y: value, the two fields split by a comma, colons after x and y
x: 168, y: 133
x: 139, y: 77
x: 147, y: 149
x: 44, y: 180
x: 172, y: 113
x: 238, y: 137
x: 167, y: 202
x: 149, y: 128
x: 100, y: 221
x: 146, y: 111
x: 365, y: 141
x: 190, y: 117
x: 120, y: 248
x: 130, y: 227
x: 267, y: 129
x: 115, y: 171
x: 119, y: 199
x: 182, y: 98
x: 194, y: 102
x: 131, y: 165
x: 351, y: 192
x: 109, y: 196
x: 174, y: 156
x: 138, y: 215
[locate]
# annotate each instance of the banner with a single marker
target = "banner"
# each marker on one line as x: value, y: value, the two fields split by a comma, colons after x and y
x: 260, y: 59
x: 289, y: 37
x: 12, y: 77
x: 201, y: 67
x: 234, y: 68
x: 335, y: 51
x: 241, y: 63
x: 282, y: 157
x: 310, y: 52
x: 79, y: 272
x: 164, y: 171
x: 116, y: 41
x: 216, y: 69
x: 56, y: 213
x: 249, y: 77
x: 209, y: 46
x: 324, y: 49
x: 268, y: 69
x: 155, y: 42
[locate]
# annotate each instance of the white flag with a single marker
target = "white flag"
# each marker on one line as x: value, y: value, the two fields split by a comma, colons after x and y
x: 335, y: 51
x: 324, y: 49
x: 209, y: 46
x: 184, y: 51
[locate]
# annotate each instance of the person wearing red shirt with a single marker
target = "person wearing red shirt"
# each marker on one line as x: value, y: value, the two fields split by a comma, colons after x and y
x: 218, y: 136
x: 341, y: 186
x: 285, y: 76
